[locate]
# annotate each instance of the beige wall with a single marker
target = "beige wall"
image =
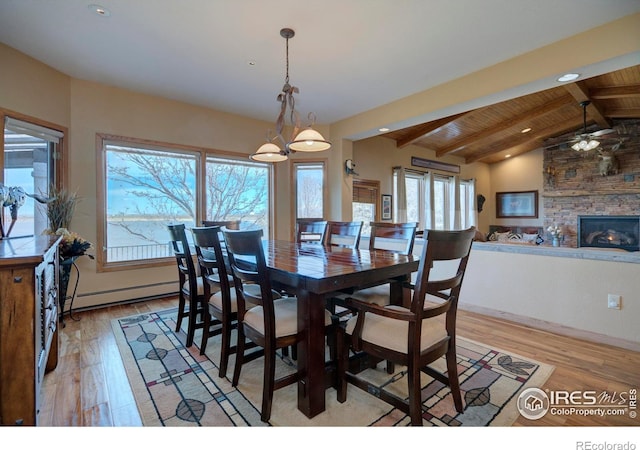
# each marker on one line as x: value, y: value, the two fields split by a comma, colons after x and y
x: 375, y: 158
x: 34, y: 89
x: 522, y: 173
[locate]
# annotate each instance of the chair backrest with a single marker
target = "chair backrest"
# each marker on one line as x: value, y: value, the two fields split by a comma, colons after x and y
x: 230, y: 224
x: 248, y: 266
x: 344, y: 234
x: 184, y: 258
x: 442, y: 247
x: 311, y: 231
x: 395, y: 237
x: 211, y: 258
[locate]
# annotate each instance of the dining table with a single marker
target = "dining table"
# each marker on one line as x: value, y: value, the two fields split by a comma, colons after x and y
x: 314, y: 273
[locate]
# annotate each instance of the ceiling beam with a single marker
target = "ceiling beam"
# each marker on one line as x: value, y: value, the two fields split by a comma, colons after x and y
x: 581, y: 94
x: 524, y: 118
x: 530, y: 142
x: 426, y: 128
x: 623, y: 113
x: 603, y: 93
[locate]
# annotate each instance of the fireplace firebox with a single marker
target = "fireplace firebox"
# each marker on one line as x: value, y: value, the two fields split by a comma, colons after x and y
x: 614, y: 232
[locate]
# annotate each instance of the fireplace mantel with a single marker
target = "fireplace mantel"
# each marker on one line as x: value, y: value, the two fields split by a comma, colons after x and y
x: 582, y: 193
x: 562, y: 252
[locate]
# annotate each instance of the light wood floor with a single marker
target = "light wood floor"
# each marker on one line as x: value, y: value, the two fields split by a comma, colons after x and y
x: 90, y: 388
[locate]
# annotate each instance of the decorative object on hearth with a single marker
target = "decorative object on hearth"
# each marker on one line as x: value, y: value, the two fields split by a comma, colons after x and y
x: 556, y: 234
x: 307, y: 140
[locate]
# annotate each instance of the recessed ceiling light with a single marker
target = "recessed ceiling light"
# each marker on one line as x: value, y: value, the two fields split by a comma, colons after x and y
x: 507, y: 156
x: 568, y: 77
x: 383, y: 129
x: 100, y: 10
x: 526, y: 130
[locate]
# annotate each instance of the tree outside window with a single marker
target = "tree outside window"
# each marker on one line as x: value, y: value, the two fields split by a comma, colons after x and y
x: 148, y: 188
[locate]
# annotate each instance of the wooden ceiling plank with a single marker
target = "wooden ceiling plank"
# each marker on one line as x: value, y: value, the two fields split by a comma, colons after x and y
x: 523, y: 118
x: 534, y: 140
x: 605, y: 93
x: 623, y: 113
x: 426, y: 128
x: 581, y: 94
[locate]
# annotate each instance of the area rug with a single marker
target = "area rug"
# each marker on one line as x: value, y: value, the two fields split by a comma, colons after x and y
x: 176, y: 386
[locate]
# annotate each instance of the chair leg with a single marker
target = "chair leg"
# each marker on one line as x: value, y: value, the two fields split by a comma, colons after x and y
x: 452, y: 373
x: 205, y: 332
x: 225, y: 347
x: 193, y: 316
x: 239, y: 356
x: 181, y: 303
x: 342, y: 350
x: 268, y: 382
x: 415, y: 397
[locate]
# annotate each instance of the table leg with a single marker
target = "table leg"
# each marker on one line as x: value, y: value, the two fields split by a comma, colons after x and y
x: 311, y: 353
x: 399, y: 295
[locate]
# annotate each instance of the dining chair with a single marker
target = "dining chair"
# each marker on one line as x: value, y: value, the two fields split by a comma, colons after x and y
x: 191, y: 287
x: 343, y: 234
x: 347, y: 235
x: 221, y: 311
x: 230, y: 224
x: 394, y: 237
x: 415, y: 336
x: 311, y: 231
x: 272, y: 324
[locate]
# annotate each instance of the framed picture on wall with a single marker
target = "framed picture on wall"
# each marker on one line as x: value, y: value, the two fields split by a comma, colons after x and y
x: 386, y: 207
x: 523, y: 205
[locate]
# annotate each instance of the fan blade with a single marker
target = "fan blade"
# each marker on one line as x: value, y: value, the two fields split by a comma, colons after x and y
x: 602, y: 132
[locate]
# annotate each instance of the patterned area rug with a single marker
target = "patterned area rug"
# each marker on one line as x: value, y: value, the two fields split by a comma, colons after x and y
x: 176, y: 386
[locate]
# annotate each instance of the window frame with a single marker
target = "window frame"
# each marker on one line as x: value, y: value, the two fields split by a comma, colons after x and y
x: 200, y: 153
x: 294, y: 198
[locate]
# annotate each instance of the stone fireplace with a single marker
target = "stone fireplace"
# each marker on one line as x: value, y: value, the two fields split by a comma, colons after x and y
x: 612, y: 232
x: 574, y: 188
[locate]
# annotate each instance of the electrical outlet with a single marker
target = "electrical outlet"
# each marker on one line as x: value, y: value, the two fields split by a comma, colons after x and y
x: 614, y: 301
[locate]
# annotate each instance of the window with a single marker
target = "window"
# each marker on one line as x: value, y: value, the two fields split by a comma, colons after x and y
x: 309, y: 183
x: 29, y: 163
x: 431, y: 200
x: 148, y: 186
x: 238, y: 190
x: 365, y: 203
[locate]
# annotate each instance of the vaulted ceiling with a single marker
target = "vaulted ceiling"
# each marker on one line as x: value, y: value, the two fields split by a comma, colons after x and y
x: 490, y: 133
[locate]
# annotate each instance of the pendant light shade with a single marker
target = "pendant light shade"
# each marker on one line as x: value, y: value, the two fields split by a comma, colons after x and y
x: 269, y: 152
x: 308, y: 140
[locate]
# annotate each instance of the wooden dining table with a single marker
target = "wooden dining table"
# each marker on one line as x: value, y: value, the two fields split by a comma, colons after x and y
x: 314, y: 273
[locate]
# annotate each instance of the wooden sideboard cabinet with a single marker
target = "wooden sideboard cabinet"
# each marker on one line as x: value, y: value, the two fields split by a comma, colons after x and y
x: 29, y: 276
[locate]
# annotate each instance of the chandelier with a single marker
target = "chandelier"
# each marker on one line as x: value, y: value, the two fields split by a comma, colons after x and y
x: 307, y: 140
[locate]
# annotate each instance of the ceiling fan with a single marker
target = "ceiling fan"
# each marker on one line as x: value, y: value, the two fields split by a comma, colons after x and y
x: 585, y: 141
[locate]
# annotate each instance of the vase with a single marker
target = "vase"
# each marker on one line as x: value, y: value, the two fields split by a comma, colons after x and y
x: 556, y: 242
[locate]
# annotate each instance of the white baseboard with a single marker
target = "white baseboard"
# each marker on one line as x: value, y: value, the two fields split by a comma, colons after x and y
x: 552, y: 327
